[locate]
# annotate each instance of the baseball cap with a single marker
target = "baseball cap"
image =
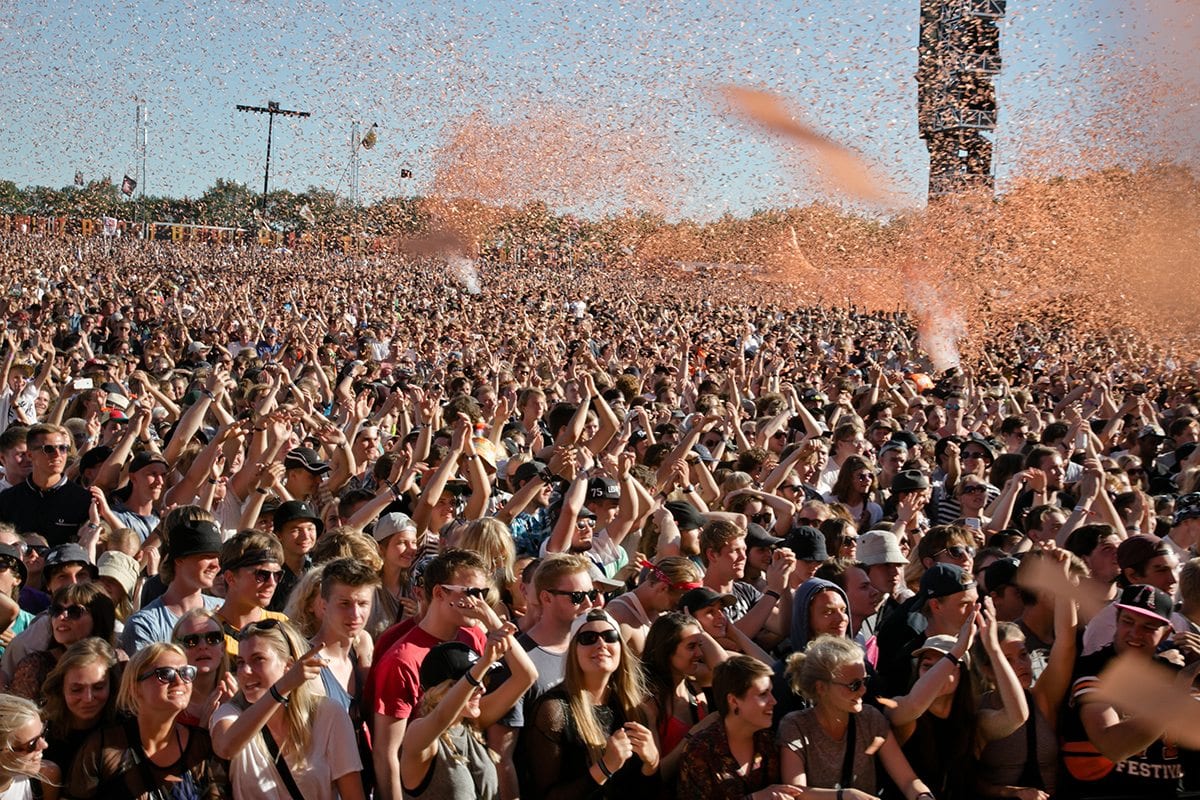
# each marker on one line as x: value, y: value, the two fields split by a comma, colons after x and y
x: 807, y: 543
x: 390, y: 524
x: 305, y: 458
x: 447, y: 661
x: 1000, y: 573
x: 906, y: 438
x: 1147, y: 601
x: 685, y: 514
x: 602, y: 488
x: 527, y: 470
x: 879, y: 547
x: 1151, y: 430
x: 757, y: 536
x: 144, y: 459
x: 891, y: 445
x: 943, y: 580
x: 703, y: 597
x: 1138, y: 549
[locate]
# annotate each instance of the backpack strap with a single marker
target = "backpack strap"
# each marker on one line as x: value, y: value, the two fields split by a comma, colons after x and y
x: 285, y: 774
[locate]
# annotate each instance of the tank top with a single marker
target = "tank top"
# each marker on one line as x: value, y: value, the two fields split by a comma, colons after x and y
x: 463, y: 772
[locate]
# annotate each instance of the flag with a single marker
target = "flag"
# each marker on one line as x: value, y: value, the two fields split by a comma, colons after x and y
x: 78, y: 178
x: 369, y: 140
x: 405, y: 172
x: 306, y: 214
x: 128, y: 184
x: 110, y: 226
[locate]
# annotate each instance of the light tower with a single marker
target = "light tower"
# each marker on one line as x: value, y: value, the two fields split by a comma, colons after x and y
x: 958, y: 56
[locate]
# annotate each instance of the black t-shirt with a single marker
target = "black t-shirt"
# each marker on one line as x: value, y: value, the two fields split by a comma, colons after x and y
x: 55, y: 513
x: 1085, y: 773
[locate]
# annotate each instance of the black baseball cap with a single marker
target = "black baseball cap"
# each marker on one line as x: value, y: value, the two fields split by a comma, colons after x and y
x: 703, y: 597
x: 943, y: 580
x: 757, y: 536
x: 1148, y: 602
x: 448, y: 661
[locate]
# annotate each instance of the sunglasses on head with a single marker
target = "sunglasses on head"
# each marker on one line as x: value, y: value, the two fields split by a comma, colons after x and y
x: 470, y: 591
x: 168, y: 675
x: 577, y: 597
x: 54, y: 449
x: 192, y: 640
x: 73, y: 612
x: 589, y: 638
x: 256, y: 627
x: 30, y: 746
x: 267, y: 575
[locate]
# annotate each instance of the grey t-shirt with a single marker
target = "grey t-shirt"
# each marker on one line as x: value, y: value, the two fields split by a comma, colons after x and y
x: 550, y: 669
x: 801, y: 733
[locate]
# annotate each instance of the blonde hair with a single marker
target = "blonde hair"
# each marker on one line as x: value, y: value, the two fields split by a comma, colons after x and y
x: 210, y: 615
x: 430, y: 700
x: 124, y: 540
x: 127, y: 699
x: 493, y: 541
x: 15, y: 713
x: 301, y: 604
x: 823, y: 657
x: 289, y: 645
x: 347, y: 543
x: 627, y: 689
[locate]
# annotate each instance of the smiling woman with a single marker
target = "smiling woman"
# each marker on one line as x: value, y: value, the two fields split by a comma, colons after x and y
x: 148, y: 753
x: 22, y: 744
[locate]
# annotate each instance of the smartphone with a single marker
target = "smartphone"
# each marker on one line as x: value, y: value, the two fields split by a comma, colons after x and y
x: 82, y: 383
x: 971, y: 522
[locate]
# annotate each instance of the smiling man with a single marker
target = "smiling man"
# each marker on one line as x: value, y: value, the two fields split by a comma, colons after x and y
x: 251, y: 567
x: 190, y: 566
x: 297, y: 526
x: 1106, y: 753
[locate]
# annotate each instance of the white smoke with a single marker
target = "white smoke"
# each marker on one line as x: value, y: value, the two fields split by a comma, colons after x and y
x: 465, y: 272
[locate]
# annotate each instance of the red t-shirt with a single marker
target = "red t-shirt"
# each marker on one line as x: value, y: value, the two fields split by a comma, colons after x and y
x: 396, y: 676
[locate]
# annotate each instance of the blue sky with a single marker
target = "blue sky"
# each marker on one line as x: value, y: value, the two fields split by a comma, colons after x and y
x: 624, y: 71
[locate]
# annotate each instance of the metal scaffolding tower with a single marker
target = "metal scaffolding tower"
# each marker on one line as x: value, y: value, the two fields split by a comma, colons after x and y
x: 958, y: 57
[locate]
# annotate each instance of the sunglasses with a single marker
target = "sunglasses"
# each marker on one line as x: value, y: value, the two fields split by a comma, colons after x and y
x: 958, y: 551
x: 853, y: 686
x: 812, y: 523
x: 1137, y: 472
x: 267, y: 575
x: 470, y: 591
x: 779, y: 435
x: 589, y: 638
x: 54, y: 449
x: 38, y: 549
x: 256, y: 627
x: 192, y: 640
x: 28, y: 747
x: 975, y: 488
x: 578, y: 596
x: 973, y: 454
x: 73, y: 612
x: 168, y: 675
x: 586, y: 522
x: 761, y: 518
x: 790, y: 487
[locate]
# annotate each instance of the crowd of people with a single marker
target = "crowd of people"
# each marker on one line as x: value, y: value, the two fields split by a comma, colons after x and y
x: 312, y: 526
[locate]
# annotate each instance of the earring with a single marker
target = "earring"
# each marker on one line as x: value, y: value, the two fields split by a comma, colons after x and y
x: 736, y: 711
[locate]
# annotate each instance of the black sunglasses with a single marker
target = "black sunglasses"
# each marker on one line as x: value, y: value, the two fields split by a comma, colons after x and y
x: 589, y: 638
x: 167, y: 675
x: 578, y: 596
x: 975, y: 488
x: 470, y: 591
x: 265, y: 575
x: 255, y: 627
x: 73, y: 612
x: 192, y: 640
x: 855, y: 685
x: 957, y: 551
x: 761, y: 518
x: 40, y: 549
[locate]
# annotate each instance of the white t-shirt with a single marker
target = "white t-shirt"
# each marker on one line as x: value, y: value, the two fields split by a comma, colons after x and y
x: 333, y: 752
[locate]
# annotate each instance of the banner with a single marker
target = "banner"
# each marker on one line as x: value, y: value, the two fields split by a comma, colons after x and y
x: 128, y: 184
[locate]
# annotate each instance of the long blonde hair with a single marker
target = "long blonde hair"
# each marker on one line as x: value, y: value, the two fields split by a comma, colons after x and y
x: 626, y: 687
x: 15, y: 713
x: 493, y: 541
x: 302, y: 703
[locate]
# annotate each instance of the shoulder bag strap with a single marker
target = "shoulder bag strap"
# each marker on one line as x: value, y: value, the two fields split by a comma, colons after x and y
x: 281, y: 766
x: 847, y: 781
